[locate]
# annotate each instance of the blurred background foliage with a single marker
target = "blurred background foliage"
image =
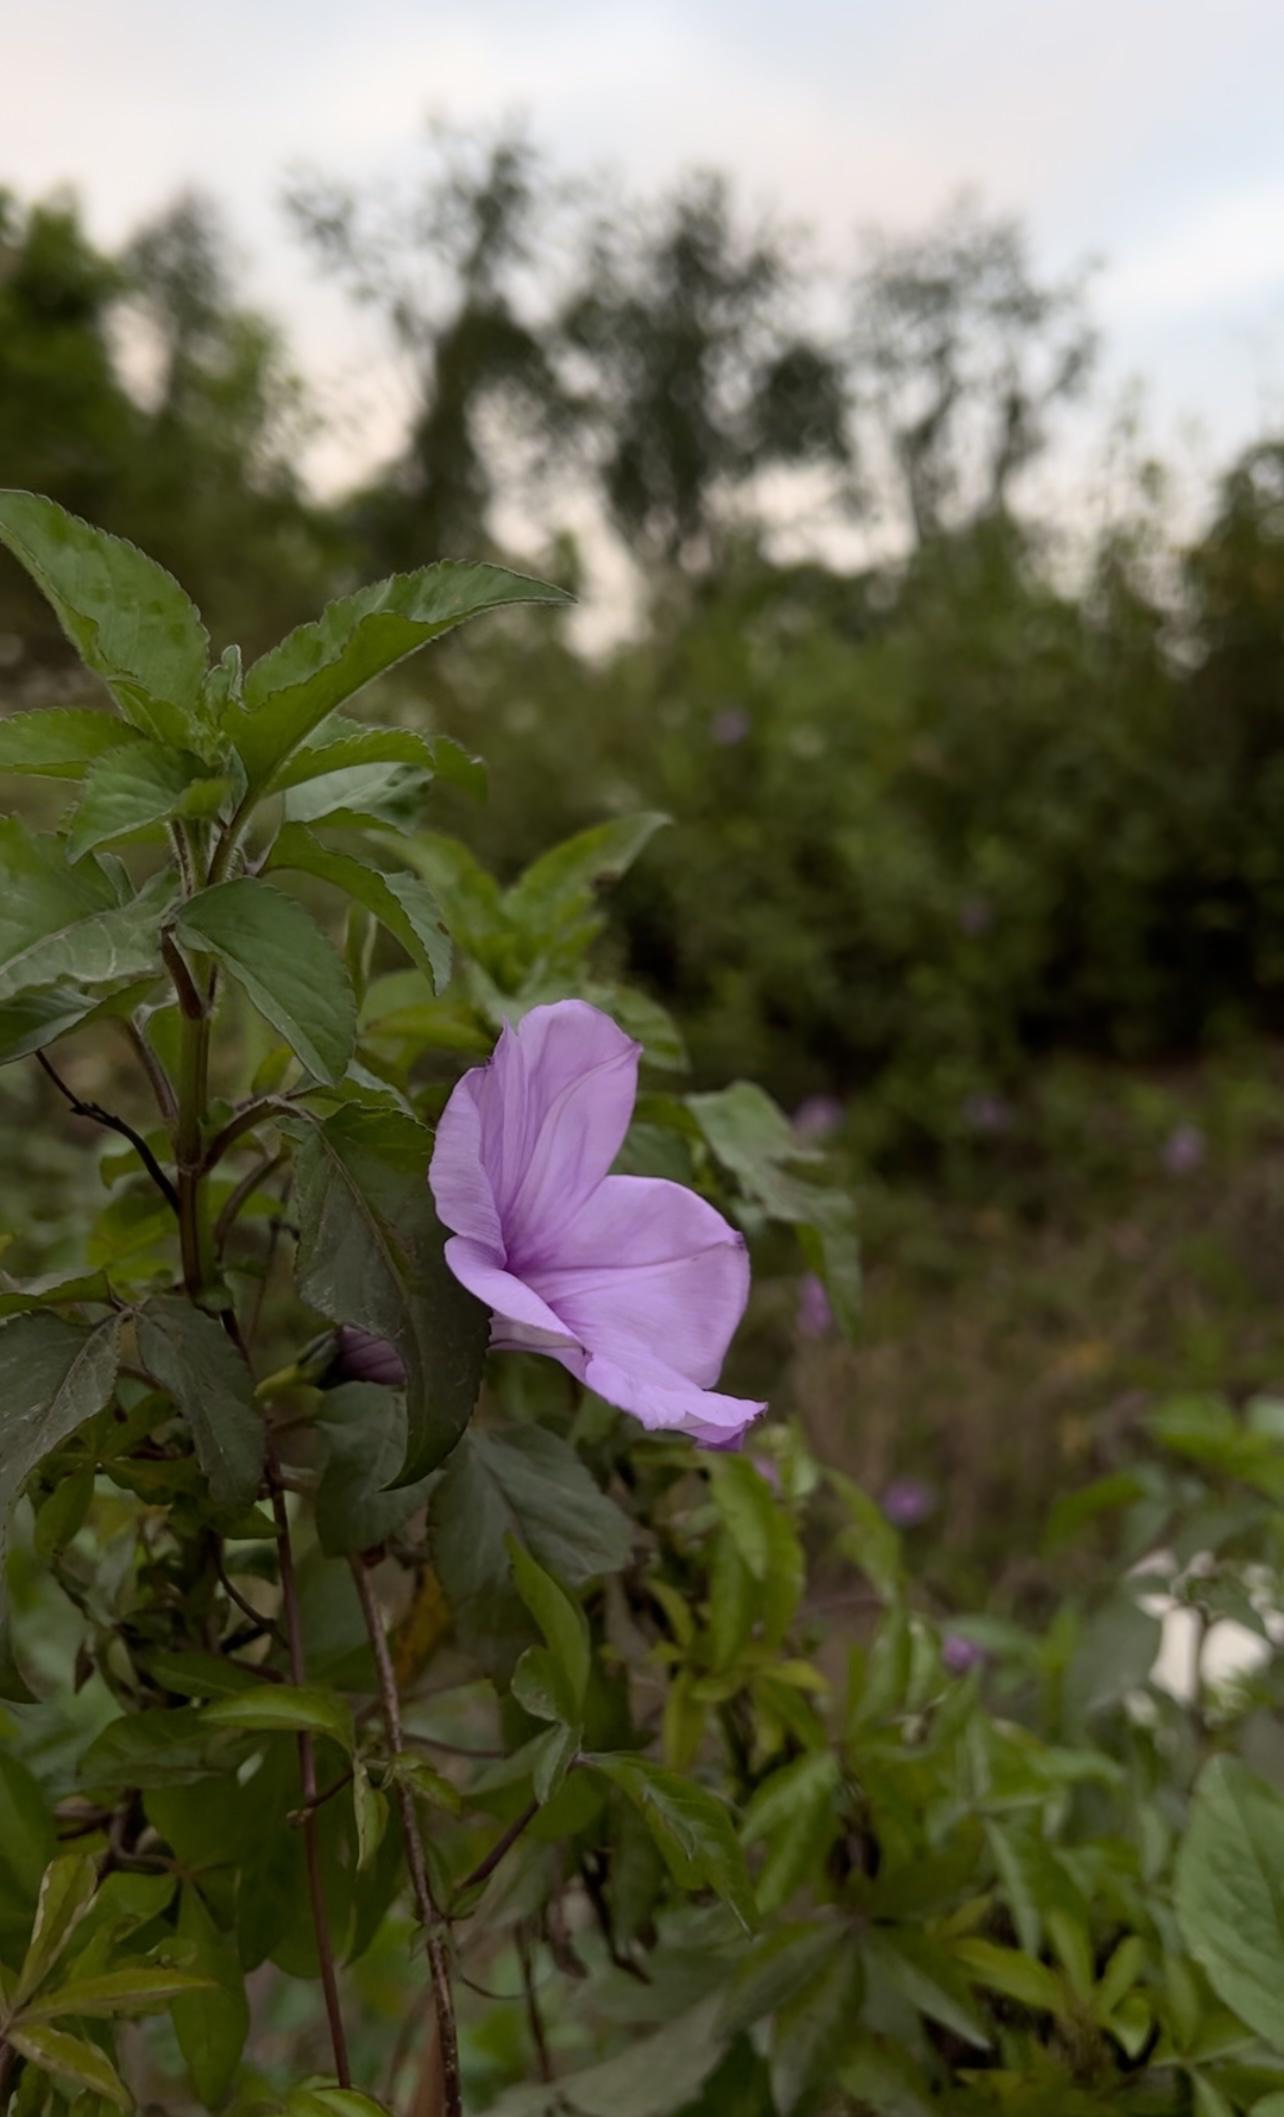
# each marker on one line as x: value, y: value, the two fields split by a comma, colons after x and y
x: 976, y: 849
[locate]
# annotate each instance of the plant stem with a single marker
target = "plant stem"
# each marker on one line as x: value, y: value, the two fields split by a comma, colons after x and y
x: 161, y: 1085
x: 7, y: 2055
x: 503, y: 1845
x: 308, y: 1781
x: 430, y: 1917
x: 99, y: 1116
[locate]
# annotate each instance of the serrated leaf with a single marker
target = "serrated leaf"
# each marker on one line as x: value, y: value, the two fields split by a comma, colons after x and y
x: 1230, y: 1892
x: 284, y: 964
x: 115, y: 946
x: 298, y: 1709
x: 814, y: 2027
x: 53, y: 1376
x: 425, y: 1783
x: 358, y: 1503
x: 290, y: 690
x: 1016, y: 1976
x: 70, y: 2058
x: 129, y: 791
x: 189, y: 1354
x: 560, y: 884
x: 128, y: 619
x: 794, y: 1811
x: 525, y: 1482
x: 470, y: 898
x: 692, y: 1829
x: 372, y: 1252
x: 60, y: 742
x: 343, y: 745
x: 930, y: 1980
x: 655, y: 2075
x: 401, y: 902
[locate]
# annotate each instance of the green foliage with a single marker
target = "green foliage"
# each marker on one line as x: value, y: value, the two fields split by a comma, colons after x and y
x: 318, y: 1662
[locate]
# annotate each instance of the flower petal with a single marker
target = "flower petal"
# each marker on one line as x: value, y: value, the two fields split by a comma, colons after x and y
x: 506, y: 1296
x: 555, y: 1104
x: 648, y: 1265
x: 457, y: 1174
x: 712, y: 1419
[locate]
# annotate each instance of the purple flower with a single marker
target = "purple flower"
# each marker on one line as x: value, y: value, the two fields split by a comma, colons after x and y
x: 815, y: 1311
x: 907, y: 1502
x: 817, y: 1116
x: 959, y: 1654
x: 729, y: 727
x: 359, y: 1356
x: 1183, y: 1150
x: 635, y: 1284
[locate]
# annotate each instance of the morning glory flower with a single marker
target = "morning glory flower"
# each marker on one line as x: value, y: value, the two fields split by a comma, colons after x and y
x: 633, y: 1283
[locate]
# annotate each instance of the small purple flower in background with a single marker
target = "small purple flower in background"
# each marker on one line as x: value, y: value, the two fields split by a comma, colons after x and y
x: 729, y: 727
x: 635, y: 1284
x: 987, y: 1114
x: 815, y: 1317
x: 359, y: 1356
x: 817, y: 1116
x: 1183, y: 1150
x: 976, y: 917
x: 907, y: 1502
x: 961, y: 1655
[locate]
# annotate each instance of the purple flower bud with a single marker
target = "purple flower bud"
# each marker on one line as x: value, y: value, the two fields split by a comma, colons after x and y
x: 1183, y: 1150
x: 729, y: 727
x: 961, y: 1655
x: 815, y: 1315
x: 361, y: 1357
x: 817, y: 1116
x: 907, y: 1502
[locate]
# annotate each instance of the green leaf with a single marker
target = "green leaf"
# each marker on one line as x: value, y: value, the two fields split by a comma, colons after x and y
x: 195, y: 1675
x: 402, y: 903
x: 189, y: 1354
x: 364, y: 1426
x: 345, y: 745
x: 60, y: 742
x: 53, y: 1376
x: 130, y: 791
x: 370, y: 1815
x: 298, y: 1709
x: 692, y: 1829
x: 651, y: 2077
x: 211, y: 2026
x: 142, y: 1988
x: 425, y: 1783
x: 560, y: 884
x: 372, y: 1252
x: 66, y: 1892
x: 27, y: 1842
x: 525, y: 1482
x: 794, y: 1810
x: 814, y: 2027
x: 109, y: 947
x: 1016, y: 1976
x: 776, y: 1967
x: 470, y: 898
x: 144, y: 1750
x: 1230, y: 1892
x: 330, y: 2102
x: 283, y: 963
x: 930, y: 1980
x: 129, y: 621
x: 292, y: 688
x: 70, y: 2058
x: 561, y: 1620
x: 884, y: 2078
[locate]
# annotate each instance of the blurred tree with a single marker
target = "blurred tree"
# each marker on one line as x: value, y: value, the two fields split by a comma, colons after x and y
x: 959, y: 355
x: 445, y: 270
x: 217, y: 492
x: 693, y: 371
x: 67, y: 426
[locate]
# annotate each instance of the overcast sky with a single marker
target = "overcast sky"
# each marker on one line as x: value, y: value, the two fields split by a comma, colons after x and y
x: 1146, y: 133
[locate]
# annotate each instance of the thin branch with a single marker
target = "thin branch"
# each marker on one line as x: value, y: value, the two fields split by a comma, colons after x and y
x: 429, y: 1916
x: 99, y: 1116
x: 233, y: 1594
x: 308, y: 1779
x: 161, y: 1084
x: 534, y: 2013
x: 245, y: 1189
x: 503, y: 1845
